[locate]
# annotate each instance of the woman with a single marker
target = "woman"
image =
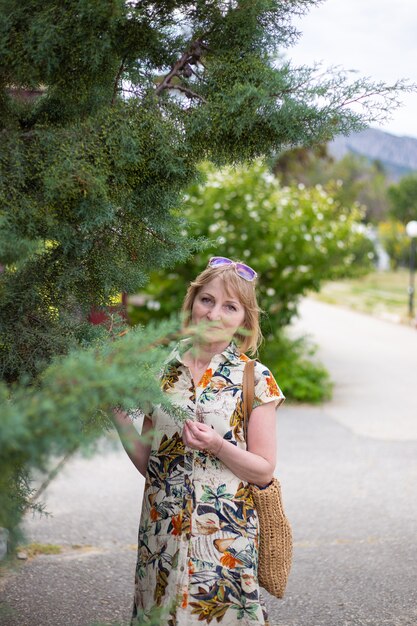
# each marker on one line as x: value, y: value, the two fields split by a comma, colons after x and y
x: 198, y: 535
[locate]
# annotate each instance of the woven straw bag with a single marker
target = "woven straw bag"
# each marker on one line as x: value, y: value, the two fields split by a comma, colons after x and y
x: 275, y: 536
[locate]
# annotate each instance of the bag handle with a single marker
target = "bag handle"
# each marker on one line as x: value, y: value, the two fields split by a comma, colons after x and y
x: 248, y: 385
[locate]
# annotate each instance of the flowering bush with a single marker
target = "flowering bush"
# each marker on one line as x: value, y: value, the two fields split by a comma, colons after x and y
x: 295, y: 237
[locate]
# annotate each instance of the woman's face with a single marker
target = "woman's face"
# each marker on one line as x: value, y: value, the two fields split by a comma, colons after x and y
x: 223, y: 311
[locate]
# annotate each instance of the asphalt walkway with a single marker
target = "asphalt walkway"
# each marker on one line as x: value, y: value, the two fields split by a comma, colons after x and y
x: 349, y: 474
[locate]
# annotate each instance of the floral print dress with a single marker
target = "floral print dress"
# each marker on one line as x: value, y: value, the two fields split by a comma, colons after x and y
x: 198, y: 534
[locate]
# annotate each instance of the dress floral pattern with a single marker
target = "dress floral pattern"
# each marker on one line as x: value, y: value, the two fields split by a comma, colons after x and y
x: 198, y: 534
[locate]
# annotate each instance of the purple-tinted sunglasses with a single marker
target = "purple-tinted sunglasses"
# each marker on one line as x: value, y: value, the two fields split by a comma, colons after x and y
x: 242, y: 270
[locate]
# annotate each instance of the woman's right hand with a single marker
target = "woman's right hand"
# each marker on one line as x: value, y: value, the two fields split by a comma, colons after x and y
x: 199, y: 436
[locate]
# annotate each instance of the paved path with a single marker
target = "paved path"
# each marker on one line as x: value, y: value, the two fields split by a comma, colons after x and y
x: 349, y: 475
x: 374, y: 365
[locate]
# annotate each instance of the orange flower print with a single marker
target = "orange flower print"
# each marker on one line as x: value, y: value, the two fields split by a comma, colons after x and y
x: 272, y: 386
x: 205, y: 379
x: 177, y: 524
x: 184, y: 603
x: 154, y: 514
x: 229, y: 561
x: 191, y: 569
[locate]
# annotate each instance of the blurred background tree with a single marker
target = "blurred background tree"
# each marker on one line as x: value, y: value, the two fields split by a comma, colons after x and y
x: 394, y: 239
x: 353, y: 178
x: 403, y: 199
x: 106, y: 109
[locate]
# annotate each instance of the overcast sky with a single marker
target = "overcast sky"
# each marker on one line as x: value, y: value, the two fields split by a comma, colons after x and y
x: 376, y: 37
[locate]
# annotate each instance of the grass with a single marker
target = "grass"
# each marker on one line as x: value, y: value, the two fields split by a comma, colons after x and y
x: 34, y: 549
x: 382, y: 294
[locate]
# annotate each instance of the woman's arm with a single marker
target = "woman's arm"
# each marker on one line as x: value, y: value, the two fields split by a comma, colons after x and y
x: 136, y: 446
x: 255, y: 465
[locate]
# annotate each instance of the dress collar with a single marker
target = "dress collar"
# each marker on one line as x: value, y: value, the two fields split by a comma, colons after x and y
x: 232, y: 353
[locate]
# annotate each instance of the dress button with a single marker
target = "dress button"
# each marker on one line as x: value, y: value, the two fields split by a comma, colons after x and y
x: 182, y: 568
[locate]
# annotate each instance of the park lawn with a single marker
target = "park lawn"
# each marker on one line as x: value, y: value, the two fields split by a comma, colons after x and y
x: 382, y: 294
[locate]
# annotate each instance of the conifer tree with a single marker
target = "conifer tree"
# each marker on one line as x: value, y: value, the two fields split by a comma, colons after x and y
x: 106, y: 108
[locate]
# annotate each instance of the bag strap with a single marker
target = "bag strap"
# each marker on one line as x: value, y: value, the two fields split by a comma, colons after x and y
x: 248, y: 385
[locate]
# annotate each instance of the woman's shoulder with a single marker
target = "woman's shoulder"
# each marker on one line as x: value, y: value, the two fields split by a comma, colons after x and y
x: 266, y: 387
x: 259, y: 367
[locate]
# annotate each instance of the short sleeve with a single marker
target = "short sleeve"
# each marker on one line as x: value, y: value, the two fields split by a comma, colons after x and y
x: 266, y: 387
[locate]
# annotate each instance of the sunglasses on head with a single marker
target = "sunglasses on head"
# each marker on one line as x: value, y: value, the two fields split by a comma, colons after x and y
x: 242, y: 270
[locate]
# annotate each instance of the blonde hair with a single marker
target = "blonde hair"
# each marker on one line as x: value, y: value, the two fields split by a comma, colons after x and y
x: 243, y: 289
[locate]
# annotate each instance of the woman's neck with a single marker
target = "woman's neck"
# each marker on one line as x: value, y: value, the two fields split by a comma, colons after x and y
x: 201, y: 353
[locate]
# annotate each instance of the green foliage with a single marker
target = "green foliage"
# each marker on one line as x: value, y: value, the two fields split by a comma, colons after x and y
x: 106, y: 109
x: 356, y: 179
x: 395, y: 241
x: 298, y: 373
x: 307, y: 165
x: 35, y: 548
x: 100, y: 216
x: 293, y: 236
x: 67, y: 408
x: 351, y: 179
x: 403, y: 199
x: 101, y: 133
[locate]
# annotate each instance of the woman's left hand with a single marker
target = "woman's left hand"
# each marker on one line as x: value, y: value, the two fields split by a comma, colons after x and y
x: 201, y: 437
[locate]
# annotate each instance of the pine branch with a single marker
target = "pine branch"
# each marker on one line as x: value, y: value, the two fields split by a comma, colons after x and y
x: 158, y: 237
x: 116, y: 81
x: 188, y: 92
x: 191, y: 57
x: 196, y: 74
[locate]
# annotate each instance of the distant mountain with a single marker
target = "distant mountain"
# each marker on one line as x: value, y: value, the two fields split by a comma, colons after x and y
x: 398, y: 155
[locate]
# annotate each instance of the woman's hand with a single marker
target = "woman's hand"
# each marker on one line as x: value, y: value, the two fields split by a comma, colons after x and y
x: 201, y: 437
x: 256, y: 464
